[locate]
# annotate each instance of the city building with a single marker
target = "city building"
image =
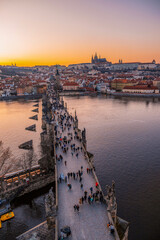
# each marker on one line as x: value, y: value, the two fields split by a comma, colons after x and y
x: 124, y: 66
x: 119, y: 84
x: 70, y: 86
x: 156, y: 82
x: 147, y: 66
x: 141, y: 89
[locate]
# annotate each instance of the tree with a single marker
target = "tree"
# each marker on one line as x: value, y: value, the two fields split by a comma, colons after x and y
x: 6, y: 160
x: 28, y: 159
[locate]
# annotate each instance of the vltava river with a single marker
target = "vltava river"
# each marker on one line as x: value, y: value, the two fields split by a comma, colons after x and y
x: 124, y: 136
x: 14, y: 118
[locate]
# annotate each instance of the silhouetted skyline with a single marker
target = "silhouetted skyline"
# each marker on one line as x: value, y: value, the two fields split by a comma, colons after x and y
x: 64, y: 32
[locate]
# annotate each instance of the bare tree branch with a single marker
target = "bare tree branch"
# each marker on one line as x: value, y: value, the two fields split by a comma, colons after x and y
x: 6, y: 160
x: 28, y: 160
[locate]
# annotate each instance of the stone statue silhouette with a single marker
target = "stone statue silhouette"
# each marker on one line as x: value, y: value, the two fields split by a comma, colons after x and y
x: 111, y: 193
x: 49, y: 202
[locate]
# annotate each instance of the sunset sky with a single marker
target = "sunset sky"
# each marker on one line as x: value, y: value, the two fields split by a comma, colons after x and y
x: 50, y: 32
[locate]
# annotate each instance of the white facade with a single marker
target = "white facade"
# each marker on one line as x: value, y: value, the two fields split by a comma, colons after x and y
x: 101, y: 87
x: 140, y: 90
x: 144, y: 66
x: 124, y: 66
x: 70, y: 87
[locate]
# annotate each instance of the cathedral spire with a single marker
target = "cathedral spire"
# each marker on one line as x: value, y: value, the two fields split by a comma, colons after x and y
x: 92, y: 59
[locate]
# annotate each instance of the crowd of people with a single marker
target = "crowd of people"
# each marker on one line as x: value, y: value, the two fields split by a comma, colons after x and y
x: 66, y: 136
x: 65, y: 122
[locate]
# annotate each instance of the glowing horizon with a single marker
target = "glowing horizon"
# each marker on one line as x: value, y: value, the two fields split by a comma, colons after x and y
x: 49, y: 32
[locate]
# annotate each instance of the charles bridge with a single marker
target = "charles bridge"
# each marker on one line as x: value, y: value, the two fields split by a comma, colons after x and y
x: 91, y: 222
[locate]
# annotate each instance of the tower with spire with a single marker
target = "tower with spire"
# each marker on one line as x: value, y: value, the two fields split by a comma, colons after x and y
x: 57, y: 84
x: 97, y: 59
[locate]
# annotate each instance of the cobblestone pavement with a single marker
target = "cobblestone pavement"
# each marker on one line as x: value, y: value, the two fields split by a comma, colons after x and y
x: 91, y: 221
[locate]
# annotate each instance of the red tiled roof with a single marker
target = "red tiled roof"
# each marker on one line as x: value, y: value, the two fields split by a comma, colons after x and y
x: 70, y: 84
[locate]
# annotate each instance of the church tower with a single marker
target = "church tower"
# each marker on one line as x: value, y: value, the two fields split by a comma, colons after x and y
x: 57, y: 85
x: 92, y: 61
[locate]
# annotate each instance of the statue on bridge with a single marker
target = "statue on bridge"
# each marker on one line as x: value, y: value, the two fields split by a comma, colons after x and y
x: 111, y: 192
x: 111, y: 200
x: 49, y: 203
x: 50, y: 209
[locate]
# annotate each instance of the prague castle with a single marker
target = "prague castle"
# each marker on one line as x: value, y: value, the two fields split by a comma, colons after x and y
x: 97, y: 59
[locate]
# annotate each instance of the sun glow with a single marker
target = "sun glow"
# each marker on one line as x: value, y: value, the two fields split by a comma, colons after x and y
x: 65, y: 32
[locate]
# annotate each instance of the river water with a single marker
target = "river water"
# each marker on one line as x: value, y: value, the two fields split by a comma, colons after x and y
x: 124, y: 136
x: 14, y: 118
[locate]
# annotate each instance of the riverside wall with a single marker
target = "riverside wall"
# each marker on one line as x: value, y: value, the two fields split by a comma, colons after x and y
x: 120, y: 94
x: 25, y: 97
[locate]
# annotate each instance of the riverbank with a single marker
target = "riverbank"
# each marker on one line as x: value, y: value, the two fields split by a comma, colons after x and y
x: 123, y: 135
x: 77, y: 93
x: 120, y: 94
x: 25, y: 97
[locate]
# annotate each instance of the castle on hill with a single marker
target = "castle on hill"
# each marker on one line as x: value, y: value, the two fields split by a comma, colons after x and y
x: 97, y: 59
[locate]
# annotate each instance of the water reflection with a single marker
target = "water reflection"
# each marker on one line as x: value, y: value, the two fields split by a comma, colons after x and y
x: 124, y: 135
x: 14, y: 118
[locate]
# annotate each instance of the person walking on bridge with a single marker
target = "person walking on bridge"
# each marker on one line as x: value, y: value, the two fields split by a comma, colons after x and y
x: 89, y: 199
x: 91, y: 189
x: 74, y: 175
x: 96, y: 184
x: 77, y: 208
x: 85, y: 193
x: 66, y: 179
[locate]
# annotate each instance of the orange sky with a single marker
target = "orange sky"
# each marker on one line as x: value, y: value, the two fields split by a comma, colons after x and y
x: 70, y: 31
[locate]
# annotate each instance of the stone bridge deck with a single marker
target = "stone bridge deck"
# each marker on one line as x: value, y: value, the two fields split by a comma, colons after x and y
x: 91, y: 221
